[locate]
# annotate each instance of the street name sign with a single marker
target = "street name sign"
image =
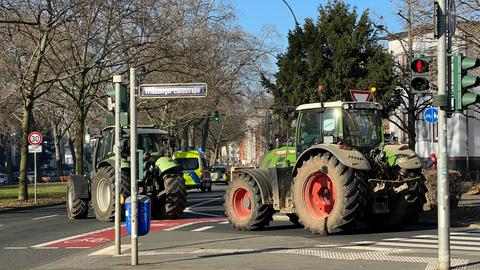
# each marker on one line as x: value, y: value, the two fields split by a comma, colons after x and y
x: 35, y: 138
x: 431, y: 115
x: 360, y: 95
x: 34, y: 148
x: 173, y: 90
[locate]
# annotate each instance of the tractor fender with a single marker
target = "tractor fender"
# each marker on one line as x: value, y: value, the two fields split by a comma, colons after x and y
x: 262, y: 178
x: 350, y: 158
x: 165, y: 164
x: 80, y: 187
x: 401, y: 156
x: 111, y: 163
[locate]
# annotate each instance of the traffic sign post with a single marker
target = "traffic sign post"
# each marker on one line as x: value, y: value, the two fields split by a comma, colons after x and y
x: 35, y: 140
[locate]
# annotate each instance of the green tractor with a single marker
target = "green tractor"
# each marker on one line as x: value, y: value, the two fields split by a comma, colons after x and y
x: 344, y: 175
x: 160, y: 177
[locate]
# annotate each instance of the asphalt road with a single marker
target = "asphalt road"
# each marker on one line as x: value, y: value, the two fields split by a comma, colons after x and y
x: 39, y: 237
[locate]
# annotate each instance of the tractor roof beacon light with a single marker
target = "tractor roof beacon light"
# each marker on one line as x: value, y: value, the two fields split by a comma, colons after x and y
x: 420, y: 67
x: 462, y: 81
x: 216, y: 117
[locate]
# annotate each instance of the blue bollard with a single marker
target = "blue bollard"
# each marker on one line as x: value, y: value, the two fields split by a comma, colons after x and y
x: 143, y: 218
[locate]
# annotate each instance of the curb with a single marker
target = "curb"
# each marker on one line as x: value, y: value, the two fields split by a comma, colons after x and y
x: 15, y: 209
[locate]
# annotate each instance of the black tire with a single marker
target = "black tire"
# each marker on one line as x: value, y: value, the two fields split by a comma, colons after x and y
x: 294, y: 219
x: 405, y: 206
x: 175, y: 195
x: 103, y: 184
x: 209, y: 186
x: 348, y: 199
x: 76, y: 208
x: 250, y: 213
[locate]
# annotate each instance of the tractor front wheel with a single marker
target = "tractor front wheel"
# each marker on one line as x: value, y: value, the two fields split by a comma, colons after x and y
x: 328, y: 196
x: 243, y: 205
x: 103, y: 192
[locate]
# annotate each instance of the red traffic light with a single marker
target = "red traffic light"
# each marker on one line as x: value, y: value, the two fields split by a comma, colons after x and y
x: 419, y: 66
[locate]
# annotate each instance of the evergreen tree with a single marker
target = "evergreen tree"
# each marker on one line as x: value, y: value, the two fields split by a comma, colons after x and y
x: 339, y: 52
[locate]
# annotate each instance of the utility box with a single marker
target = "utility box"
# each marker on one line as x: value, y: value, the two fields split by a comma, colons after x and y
x: 143, y: 218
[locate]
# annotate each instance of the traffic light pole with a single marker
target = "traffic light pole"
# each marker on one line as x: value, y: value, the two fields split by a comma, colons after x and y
x: 117, y: 80
x: 133, y: 169
x: 442, y: 169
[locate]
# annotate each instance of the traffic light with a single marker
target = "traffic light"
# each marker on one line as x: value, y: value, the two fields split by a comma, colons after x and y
x: 216, y: 116
x: 123, y: 98
x: 462, y: 81
x: 420, y: 66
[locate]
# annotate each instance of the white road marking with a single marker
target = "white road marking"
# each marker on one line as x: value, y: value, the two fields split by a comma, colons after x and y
x: 38, y: 218
x: 414, y: 245
x: 203, y: 229
x: 368, y: 248
x: 433, y: 241
x: 70, y: 237
x: 224, y: 222
x: 1, y: 225
x: 202, y: 203
x: 46, y: 248
x: 201, y: 213
x: 15, y: 248
x: 451, y: 237
x: 181, y: 226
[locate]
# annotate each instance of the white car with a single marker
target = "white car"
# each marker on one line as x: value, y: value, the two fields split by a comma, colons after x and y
x: 3, y: 179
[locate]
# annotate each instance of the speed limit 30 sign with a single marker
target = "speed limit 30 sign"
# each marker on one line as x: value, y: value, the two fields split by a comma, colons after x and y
x: 35, y: 138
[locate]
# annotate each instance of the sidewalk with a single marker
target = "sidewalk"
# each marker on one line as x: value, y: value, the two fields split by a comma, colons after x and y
x: 466, y: 215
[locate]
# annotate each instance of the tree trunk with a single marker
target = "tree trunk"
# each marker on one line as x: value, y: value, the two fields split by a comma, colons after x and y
x: 412, y: 136
x: 58, y: 151
x: 8, y: 159
x: 71, y: 146
x: 23, y: 182
x: 205, y: 133
x: 79, y: 137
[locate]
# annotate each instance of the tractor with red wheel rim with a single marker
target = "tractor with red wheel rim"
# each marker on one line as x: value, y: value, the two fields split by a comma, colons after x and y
x: 344, y: 174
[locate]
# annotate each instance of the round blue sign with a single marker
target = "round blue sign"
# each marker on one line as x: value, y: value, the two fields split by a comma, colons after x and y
x: 431, y: 115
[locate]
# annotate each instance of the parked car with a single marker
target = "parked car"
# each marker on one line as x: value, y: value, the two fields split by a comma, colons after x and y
x: 3, y: 179
x: 220, y: 174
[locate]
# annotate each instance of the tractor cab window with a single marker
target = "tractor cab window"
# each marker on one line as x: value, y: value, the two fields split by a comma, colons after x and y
x: 362, y: 128
x: 329, y: 125
x: 150, y: 143
x: 309, y: 129
x: 105, y: 145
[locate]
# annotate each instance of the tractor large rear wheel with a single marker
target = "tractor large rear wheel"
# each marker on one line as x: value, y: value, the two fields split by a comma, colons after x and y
x: 243, y: 205
x: 328, y: 196
x: 175, y: 195
x: 76, y: 208
x: 103, y: 192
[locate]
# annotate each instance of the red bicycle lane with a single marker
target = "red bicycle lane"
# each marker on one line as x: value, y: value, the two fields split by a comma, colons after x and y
x: 99, y: 237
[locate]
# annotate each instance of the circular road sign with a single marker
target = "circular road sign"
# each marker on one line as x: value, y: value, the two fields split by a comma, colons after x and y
x: 430, y: 115
x: 35, y: 138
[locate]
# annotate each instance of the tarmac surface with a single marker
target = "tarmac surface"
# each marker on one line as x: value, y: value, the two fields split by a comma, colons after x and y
x: 201, y: 248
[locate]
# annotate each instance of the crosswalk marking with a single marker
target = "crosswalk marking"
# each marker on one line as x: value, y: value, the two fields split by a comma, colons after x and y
x: 202, y: 229
x: 464, y: 241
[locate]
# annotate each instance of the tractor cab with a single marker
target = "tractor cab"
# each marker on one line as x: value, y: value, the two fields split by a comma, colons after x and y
x: 356, y: 125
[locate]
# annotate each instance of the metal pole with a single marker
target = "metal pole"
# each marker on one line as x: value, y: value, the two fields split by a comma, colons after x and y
x: 442, y: 169
x: 133, y: 168
x: 117, y: 80
x: 35, y: 180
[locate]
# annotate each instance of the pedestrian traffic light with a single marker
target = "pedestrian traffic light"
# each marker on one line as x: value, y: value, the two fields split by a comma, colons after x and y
x: 420, y: 67
x: 123, y: 98
x: 462, y: 81
x: 216, y: 116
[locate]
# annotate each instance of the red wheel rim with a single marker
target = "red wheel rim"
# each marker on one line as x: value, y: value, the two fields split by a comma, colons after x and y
x: 242, y: 203
x: 319, y: 195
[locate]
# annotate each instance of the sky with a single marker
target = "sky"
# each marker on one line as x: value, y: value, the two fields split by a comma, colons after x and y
x: 254, y: 15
